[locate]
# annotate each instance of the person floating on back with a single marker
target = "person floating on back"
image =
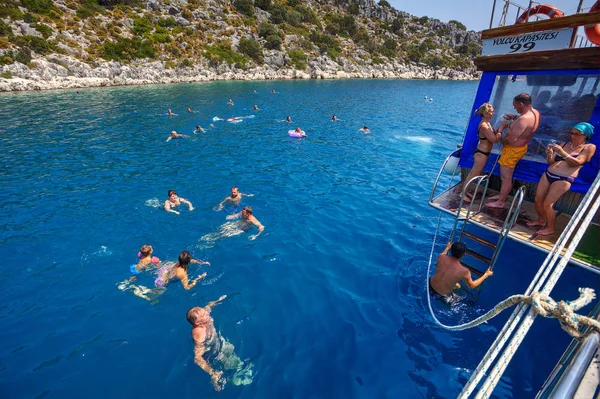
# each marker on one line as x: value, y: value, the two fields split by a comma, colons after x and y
x: 174, y: 201
x: 515, y: 143
x: 235, y: 198
x: 175, y: 135
x: 449, y: 272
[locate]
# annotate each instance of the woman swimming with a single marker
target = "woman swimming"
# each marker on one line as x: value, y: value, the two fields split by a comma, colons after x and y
x: 179, y: 271
x: 565, y: 162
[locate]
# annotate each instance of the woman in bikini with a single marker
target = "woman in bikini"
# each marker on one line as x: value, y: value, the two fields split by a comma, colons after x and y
x: 487, y: 138
x: 565, y: 161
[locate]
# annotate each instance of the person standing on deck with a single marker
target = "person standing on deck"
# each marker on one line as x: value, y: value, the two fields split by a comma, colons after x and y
x: 449, y: 272
x: 515, y: 143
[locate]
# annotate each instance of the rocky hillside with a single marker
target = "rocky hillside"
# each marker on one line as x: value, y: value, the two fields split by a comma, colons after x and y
x: 78, y: 43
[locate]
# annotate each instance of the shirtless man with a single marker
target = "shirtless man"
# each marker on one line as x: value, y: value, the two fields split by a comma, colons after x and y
x: 199, y: 129
x: 207, y: 342
x: 247, y: 221
x: 170, y: 113
x: 515, y: 144
x: 175, y: 135
x: 449, y: 272
x: 288, y: 119
x: 175, y: 201
x: 234, y: 198
x: 230, y: 102
x: 255, y: 108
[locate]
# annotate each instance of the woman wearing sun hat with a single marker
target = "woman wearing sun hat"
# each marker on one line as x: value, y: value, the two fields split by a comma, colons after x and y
x: 565, y: 161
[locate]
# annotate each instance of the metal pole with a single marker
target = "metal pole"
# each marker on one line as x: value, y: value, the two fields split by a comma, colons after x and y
x: 492, y: 18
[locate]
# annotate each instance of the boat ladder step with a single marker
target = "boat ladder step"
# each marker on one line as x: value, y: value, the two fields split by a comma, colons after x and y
x: 478, y: 256
x: 480, y: 240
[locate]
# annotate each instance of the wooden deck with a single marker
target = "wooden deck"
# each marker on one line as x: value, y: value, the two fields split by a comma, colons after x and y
x: 492, y: 219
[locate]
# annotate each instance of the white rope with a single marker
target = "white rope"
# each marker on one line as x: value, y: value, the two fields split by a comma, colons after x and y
x: 535, y: 285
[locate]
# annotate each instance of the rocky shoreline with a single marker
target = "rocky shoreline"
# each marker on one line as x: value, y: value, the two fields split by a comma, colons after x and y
x: 65, y: 72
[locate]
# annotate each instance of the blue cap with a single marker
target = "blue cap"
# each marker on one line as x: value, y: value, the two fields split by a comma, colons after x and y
x: 585, y: 128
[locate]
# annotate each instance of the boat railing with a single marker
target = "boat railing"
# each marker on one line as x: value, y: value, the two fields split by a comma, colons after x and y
x: 509, y: 222
x: 454, y: 154
x: 479, y: 179
x: 508, y: 8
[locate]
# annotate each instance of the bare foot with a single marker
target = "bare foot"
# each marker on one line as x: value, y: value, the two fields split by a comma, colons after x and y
x: 494, y: 197
x: 536, y: 223
x: 545, y: 232
x: 495, y: 204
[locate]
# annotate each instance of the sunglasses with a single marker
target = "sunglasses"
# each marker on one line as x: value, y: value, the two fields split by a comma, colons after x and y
x: 575, y: 133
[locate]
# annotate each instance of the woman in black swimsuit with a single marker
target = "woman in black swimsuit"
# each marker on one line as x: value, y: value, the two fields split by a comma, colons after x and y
x: 565, y: 160
x: 487, y: 138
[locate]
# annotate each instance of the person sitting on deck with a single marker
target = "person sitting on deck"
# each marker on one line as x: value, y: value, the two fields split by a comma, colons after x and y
x: 515, y: 144
x: 565, y: 162
x: 487, y: 137
x: 449, y: 272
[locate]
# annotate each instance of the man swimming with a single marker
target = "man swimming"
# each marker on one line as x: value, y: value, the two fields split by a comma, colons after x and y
x: 449, y: 272
x: 235, y: 198
x: 365, y: 130
x: 255, y: 108
x: 334, y: 118
x: 175, y: 135
x: 190, y: 111
x: 174, y: 201
x: 170, y: 113
x: 248, y: 220
x: 199, y: 129
x: 230, y: 102
x: 288, y: 119
x: 207, y: 342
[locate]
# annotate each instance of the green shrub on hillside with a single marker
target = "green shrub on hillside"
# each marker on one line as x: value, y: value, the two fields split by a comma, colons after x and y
x: 29, y: 18
x: 89, y: 8
x: 38, y: 6
x: 415, y: 53
x: 397, y: 25
x: 4, y: 29
x: 389, y: 48
x: 353, y: 8
x: 385, y: 3
x: 10, y: 9
x: 245, y: 7
x: 126, y: 49
x: 166, y: 22
x: 458, y: 24
x: 34, y: 43
x: 293, y: 3
x: 263, y: 4
x: 278, y: 13
x: 298, y: 58
x: 327, y: 44
x: 470, y: 50
x: 273, y: 42
x: 115, y: 3
x: 252, y: 49
x: 309, y: 16
x: 45, y: 30
x: 266, y: 29
x: 222, y: 52
x: 142, y: 25
x: 23, y: 56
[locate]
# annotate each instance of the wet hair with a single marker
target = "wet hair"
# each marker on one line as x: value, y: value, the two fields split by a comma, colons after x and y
x: 197, y: 126
x: 192, y: 316
x: 235, y: 187
x: 523, y: 98
x: 184, y: 260
x: 365, y: 127
x: 485, y: 108
x: 458, y: 249
x: 248, y: 210
x: 146, y: 250
x: 171, y: 192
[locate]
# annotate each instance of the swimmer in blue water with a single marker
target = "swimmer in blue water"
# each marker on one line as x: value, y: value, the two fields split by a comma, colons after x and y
x: 174, y: 201
x: 365, y: 130
x: 247, y: 221
x: 191, y: 111
x: 199, y: 129
x: 170, y: 113
x: 212, y: 351
x: 288, y: 119
x: 175, y: 135
x: 234, y: 199
x: 255, y: 108
x: 334, y: 118
x: 230, y: 102
x: 449, y: 272
x: 145, y: 260
x: 179, y: 271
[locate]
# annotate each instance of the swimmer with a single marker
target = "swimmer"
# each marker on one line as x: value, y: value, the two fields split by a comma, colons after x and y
x: 235, y: 198
x: 230, y: 102
x: 254, y: 91
x: 247, y: 221
x: 190, y: 111
x: 288, y: 119
x: 199, y: 129
x: 365, y: 130
x: 272, y: 91
x: 145, y: 260
x: 170, y: 113
x: 211, y: 125
x: 300, y: 132
x: 334, y: 118
x: 175, y: 201
x: 179, y: 271
x: 255, y: 108
x: 175, y: 135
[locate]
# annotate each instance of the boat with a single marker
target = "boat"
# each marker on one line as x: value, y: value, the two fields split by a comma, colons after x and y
x: 560, y: 68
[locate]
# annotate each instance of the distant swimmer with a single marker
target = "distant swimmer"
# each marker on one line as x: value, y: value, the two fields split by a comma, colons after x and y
x: 365, y: 130
x: 334, y: 118
x: 170, y: 113
x: 235, y: 198
x: 191, y: 111
x: 273, y: 91
x: 199, y: 129
x: 248, y: 220
x: 211, y: 350
x: 211, y: 125
x: 254, y: 91
x: 449, y: 272
x: 425, y: 97
x: 175, y: 135
x: 230, y: 102
x: 175, y: 201
x: 255, y: 108
x: 288, y: 119
x: 300, y: 131
x: 179, y: 271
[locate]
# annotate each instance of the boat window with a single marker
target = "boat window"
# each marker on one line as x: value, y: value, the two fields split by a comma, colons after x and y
x: 563, y: 101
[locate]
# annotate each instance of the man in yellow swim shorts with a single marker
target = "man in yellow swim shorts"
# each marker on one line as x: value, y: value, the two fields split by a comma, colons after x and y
x: 515, y: 144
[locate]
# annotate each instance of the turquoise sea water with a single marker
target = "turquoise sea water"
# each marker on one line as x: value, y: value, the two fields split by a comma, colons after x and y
x: 327, y: 303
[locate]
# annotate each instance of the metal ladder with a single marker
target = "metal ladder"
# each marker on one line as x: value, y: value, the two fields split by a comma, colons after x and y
x: 461, y: 222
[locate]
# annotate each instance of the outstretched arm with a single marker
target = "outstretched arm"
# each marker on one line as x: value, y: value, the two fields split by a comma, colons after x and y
x: 234, y: 216
x: 474, y: 284
x: 222, y: 202
x: 214, y: 303
x: 447, y: 248
x: 261, y: 228
x: 248, y: 195
x: 215, y: 376
x: 168, y: 207
x: 188, y: 203
x: 200, y: 262
x: 169, y: 138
